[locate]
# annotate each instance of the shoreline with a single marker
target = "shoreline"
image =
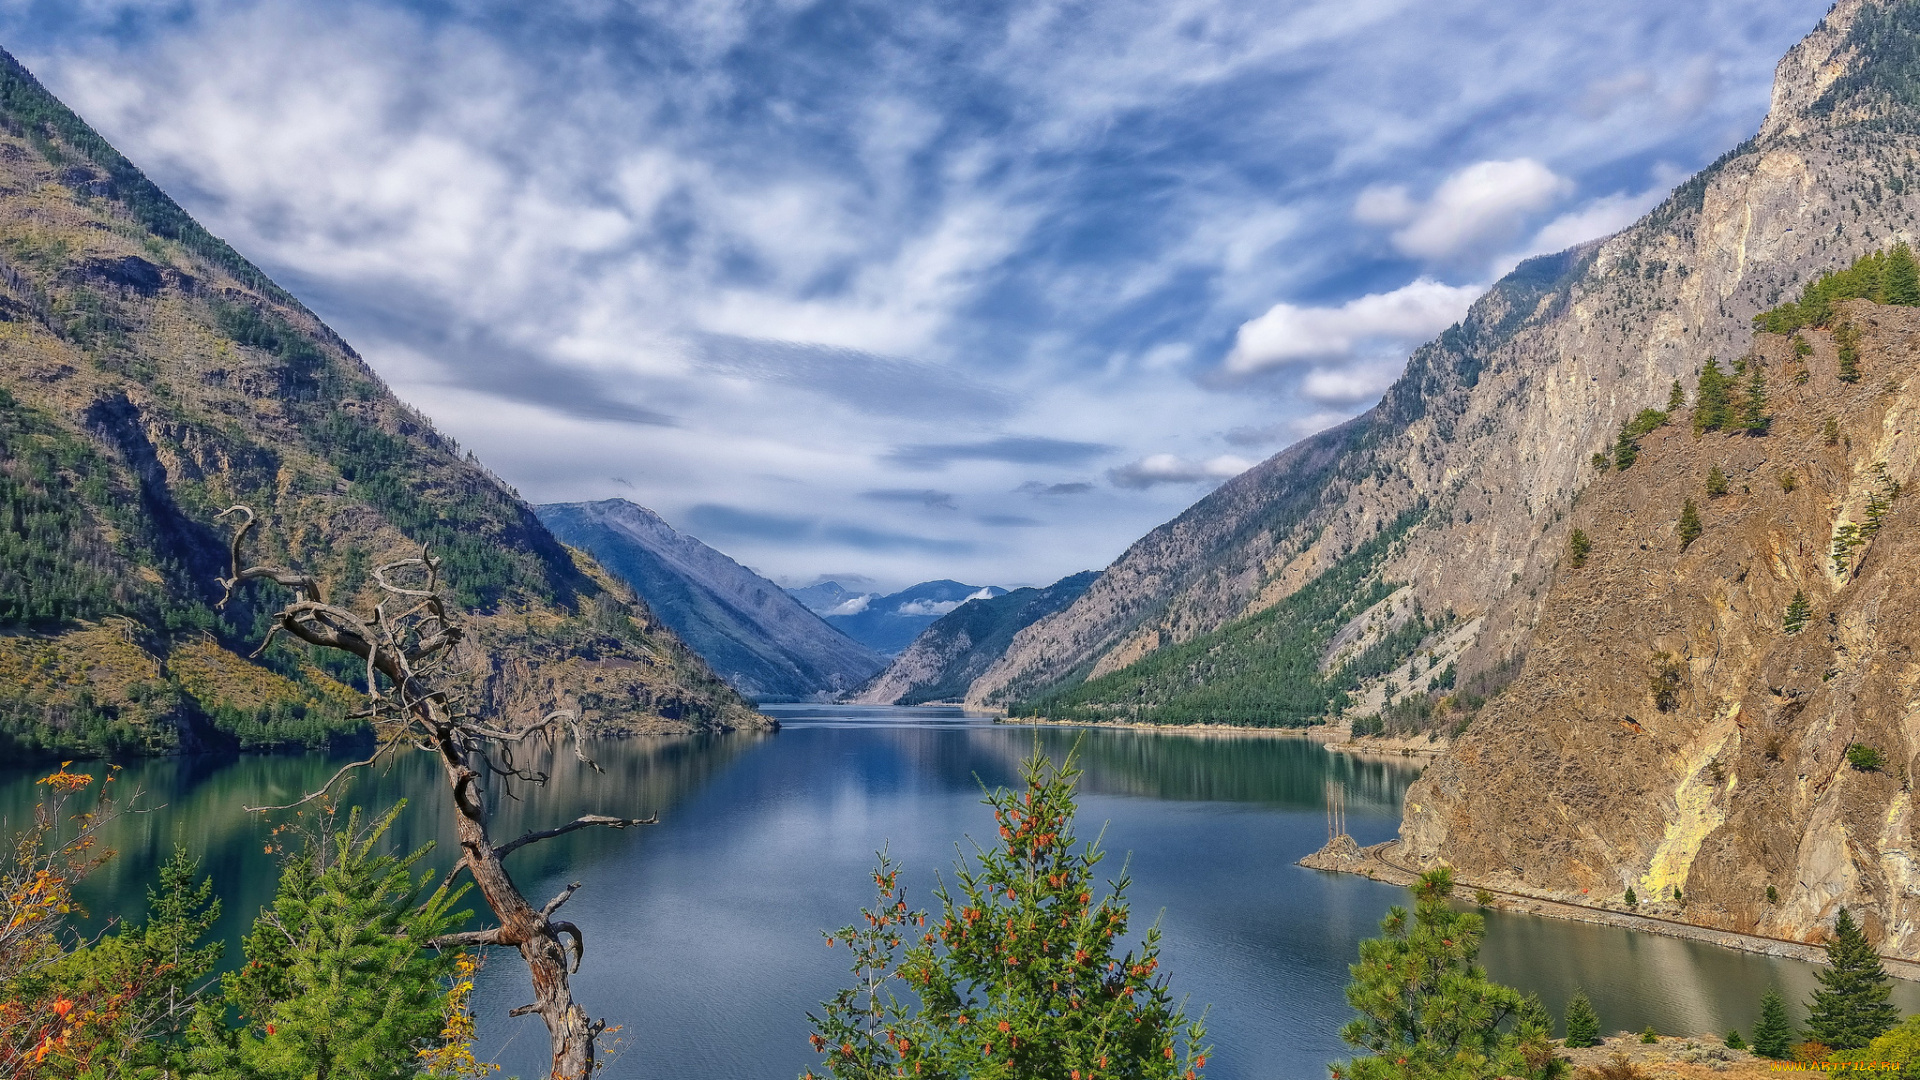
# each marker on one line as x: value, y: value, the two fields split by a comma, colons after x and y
x: 1369, y: 862
x: 1332, y: 736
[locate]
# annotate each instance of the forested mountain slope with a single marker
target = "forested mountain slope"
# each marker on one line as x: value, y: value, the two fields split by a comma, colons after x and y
x: 948, y: 655
x: 758, y: 638
x: 150, y: 377
x: 1487, y: 438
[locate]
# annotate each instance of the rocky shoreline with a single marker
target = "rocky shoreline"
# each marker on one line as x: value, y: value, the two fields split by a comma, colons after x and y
x: 1344, y: 855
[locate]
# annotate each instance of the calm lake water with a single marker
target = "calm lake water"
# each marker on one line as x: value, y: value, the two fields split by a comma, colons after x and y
x: 703, y: 932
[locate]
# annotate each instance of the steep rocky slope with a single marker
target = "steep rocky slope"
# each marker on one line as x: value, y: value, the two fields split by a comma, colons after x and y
x: 1676, y: 726
x: 762, y: 641
x: 149, y: 377
x: 1488, y: 434
x: 947, y: 656
x: 888, y: 624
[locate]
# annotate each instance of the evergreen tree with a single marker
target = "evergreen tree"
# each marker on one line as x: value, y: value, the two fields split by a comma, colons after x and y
x: 1734, y: 1041
x: 340, y: 979
x: 1853, y: 1006
x: 1676, y: 398
x: 1632, y: 900
x: 1753, y: 413
x: 1427, y: 1010
x: 1626, y: 450
x: 1846, y: 337
x: 1773, y: 1032
x: 1712, y: 399
x: 1798, y: 612
x: 1583, y: 1024
x: 1578, y: 547
x: 1689, y: 527
x: 1019, y: 976
x: 1716, y: 482
x: 1900, y: 282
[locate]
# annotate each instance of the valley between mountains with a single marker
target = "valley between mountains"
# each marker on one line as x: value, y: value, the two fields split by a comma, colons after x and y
x: 1640, y: 573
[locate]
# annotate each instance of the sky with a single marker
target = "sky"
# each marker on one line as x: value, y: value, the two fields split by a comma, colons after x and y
x: 891, y: 291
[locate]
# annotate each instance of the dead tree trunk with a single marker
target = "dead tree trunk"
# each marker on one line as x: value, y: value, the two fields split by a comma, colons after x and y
x: 411, y: 707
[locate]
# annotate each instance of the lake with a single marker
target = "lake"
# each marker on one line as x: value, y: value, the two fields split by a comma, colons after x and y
x: 703, y: 932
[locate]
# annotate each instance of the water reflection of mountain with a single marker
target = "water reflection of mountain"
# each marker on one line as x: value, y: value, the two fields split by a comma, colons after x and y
x: 1217, y: 767
x: 201, y: 802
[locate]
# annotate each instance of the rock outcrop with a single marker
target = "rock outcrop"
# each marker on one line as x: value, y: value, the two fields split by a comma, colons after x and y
x: 1488, y: 434
x: 1679, y: 729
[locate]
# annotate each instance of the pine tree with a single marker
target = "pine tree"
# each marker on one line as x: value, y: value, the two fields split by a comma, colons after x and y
x: 1716, y: 482
x: 1734, y: 1041
x: 1583, y: 1024
x: 1632, y: 900
x: 1626, y: 450
x: 1426, y: 1009
x: 1689, y: 527
x: 1773, y: 1032
x: 1853, y: 1006
x: 1676, y: 398
x: 1712, y: 399
x: 1798, y: 612
x: 1578, y: 547
x: 1846, y: 338
x: 340, y: 979
x: 1753, y: 414
x: 1019, y: 975
x: 1900, y: 283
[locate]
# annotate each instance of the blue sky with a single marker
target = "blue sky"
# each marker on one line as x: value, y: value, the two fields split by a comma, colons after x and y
x: 893, y: 291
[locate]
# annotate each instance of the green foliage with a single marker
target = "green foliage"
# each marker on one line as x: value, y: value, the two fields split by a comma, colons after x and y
x: 1583, y: 1024
x: 1864, y: 758
x: 1798, y: 611
x: 1262, y: 671
x: 1483, y: 897
x: 1900, y: 1046
x: 1020, y: 975
x: 1853, y: 1005
x: 1753, y: 404
x: 1578, y: 548
x: 1716, y: 482
x: 1884, y: 277
x: 1676, y: 398
x: 1773, y: 895
x: 1632, y: 900
x: 339, y: 979
x: 1847, y: 337
x: 1648, y: 1035
x: 1689, y: 527
x: 1830, y: 432
x: 1773, y: 1032
x: 155, y: 973
x: 1428, y: 1010
x: 1626, y: 448
x: 1602, y: 462
x: 1712, y: 399
x: 1734, y: 1041
x: 1788, y: 481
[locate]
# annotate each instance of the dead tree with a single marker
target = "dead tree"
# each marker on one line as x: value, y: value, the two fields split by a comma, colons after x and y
x: 407, y: 643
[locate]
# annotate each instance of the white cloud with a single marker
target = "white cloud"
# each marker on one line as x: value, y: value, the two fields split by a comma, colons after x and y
x: 1292, y: 334
x: 929, y: 607
x: 1171, y: 469
x: 1348, y: 386
x: 1482, y: 206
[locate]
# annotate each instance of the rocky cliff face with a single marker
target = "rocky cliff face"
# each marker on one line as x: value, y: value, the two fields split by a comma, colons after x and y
x: 1672, y: 729
x: 949, y: 655
x: 151, y: 377
x: 749, y: 630
x: 1488, y: 434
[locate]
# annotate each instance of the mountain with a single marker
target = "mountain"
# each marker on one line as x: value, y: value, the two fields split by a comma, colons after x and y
x: 153, y: 377
x: 888, y: 624
x: 1480, y: 448
x: 1658, y: 725
x: 830, y: 597
x: 1731, y: 717
x: 762, y: 641
x: 948, y: 655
